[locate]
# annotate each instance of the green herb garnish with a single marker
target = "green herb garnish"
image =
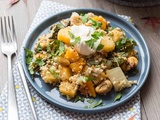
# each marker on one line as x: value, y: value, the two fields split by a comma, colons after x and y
x: 71, y: 35
x: 53, y: 72
x: 90, y: 43
x: 38, y: 48
x: 76, y: 40
x: 39, y: 62
x: 96, y: 24
x: 61, y: 48
x: 95, y: 104
x: 31, y: 69
x: 100, y: 47
x: 79, y: 98
x: 118, y: 97
x: 96, y: 35
x: 86, y: 107
x: 126, y: 44
x: 90, y: 101
x: 29, y: 56
x: 76, y: 99
x: 84, y: 18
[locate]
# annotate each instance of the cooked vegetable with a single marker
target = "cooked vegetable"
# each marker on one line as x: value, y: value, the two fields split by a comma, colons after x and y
x: 118, y: 97
x: 87, y: 89
x: 68, y: 89
x: 63, y: 35
x: 84, y: 54
x: 104, y: 87
x: 118, y: 79
x: 72, y: 55
x: 65, y: 73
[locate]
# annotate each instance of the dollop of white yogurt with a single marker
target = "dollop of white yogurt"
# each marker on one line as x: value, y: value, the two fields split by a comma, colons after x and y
x: 84, y: 32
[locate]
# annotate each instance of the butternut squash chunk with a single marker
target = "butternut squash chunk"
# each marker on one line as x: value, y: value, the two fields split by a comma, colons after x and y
x: 63, y: 35
x: 108, y: 43
x: 77, y: 66
x: 65, y: 73
x: 87, y: 89
x: 72, y: 55
x: 102, y: 20
x: 68, y: 89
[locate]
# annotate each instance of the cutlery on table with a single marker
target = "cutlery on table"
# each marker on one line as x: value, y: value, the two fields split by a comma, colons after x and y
x: 8, y: 48
x: 8, y: 34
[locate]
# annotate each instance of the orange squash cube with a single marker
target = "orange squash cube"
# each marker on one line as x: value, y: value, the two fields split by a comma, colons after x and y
x: 102, y: 20
x: 72, y: 55
x: 77, y: 66
x: 65, y: 73
x: 68, y: 89
x: 63, y: 35
x: 87, y: 89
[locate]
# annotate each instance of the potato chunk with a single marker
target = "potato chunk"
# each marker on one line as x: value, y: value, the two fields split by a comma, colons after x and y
x: 65, y: 73
x: 102, y: 20
x: 72, y: 55
x: 87, y: 89
x: 77, y: 66
x: 108, y: 43
x: 63, y: 35
x: 118, y: 79
x: 47, y: 76
x: 117, y: 34
x: 68, y: 89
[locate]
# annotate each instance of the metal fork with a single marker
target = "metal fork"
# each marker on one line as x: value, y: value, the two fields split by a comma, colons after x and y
x: 12, y: 35
x: 8, y: 48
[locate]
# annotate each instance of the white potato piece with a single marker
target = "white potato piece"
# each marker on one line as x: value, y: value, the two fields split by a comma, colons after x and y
x: 118, y: 79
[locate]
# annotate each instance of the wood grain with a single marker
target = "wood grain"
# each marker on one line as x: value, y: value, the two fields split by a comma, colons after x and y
x: 150, y: 92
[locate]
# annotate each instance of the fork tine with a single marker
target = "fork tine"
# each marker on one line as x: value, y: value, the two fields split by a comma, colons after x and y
x: 6, y: 30
x: 3, y: 30
x: 10, y: 27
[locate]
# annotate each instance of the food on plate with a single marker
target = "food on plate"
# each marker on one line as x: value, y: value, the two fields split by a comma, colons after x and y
x: 84, y: 54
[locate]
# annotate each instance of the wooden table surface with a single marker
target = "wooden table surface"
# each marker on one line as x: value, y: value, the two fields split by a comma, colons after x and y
x: 150, y: 92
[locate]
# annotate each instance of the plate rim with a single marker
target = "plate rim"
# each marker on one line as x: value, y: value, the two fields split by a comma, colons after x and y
x: 98, y: 109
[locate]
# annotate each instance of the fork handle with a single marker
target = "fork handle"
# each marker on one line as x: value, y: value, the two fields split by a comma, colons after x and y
x: 12, y: 103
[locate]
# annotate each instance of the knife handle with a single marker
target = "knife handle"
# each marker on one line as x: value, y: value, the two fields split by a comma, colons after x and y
x: 27, y: 91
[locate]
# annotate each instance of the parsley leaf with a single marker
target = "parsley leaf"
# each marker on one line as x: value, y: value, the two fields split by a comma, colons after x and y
x: 76, y: 40
x: 90, y: 43
x: 96, y: 24
x: 95, y: 104
x: 59, y: 25
x: 90, y: 101
x: 53, y: 72
x: 118, y: 97
x: 48, y: 48
x: 39, y: 62
x: 126, y: 44
x: 70, y: 35
x: 84, y: 18
x: 61, y: 48
x: 86, y: 107
x: 29, y: 56
x: 96, y: 35
x: 100, y: 47
x: 38, y: 48
x: 77, y: 98
x: 31, y: 69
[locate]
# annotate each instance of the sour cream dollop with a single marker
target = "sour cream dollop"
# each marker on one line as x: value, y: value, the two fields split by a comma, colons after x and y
x: 84, y: 32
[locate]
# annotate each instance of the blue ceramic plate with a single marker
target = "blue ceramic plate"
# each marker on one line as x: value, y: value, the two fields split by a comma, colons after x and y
x: 52, y: 95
